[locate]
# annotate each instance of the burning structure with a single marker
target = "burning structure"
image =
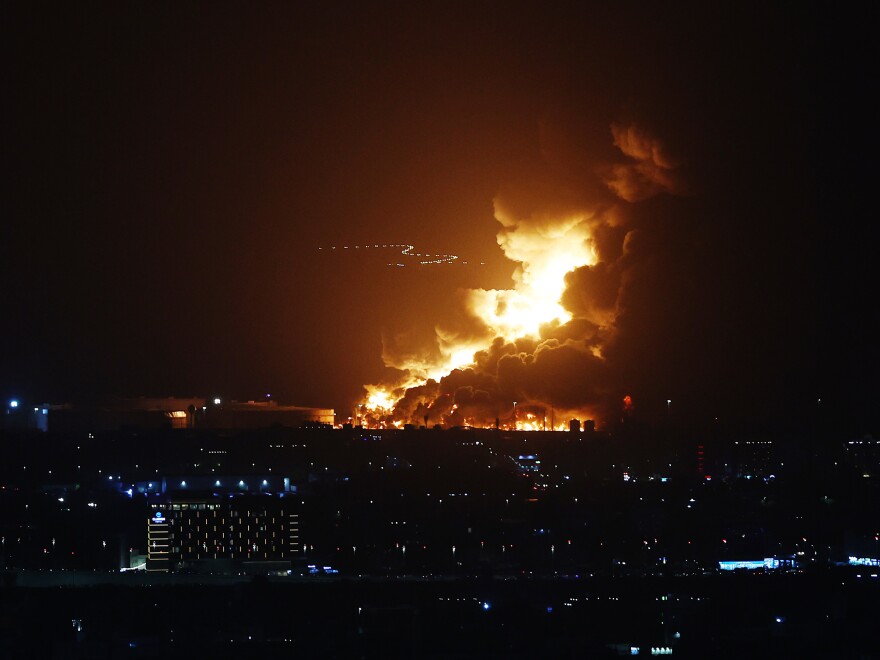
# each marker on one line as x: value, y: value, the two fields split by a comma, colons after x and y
x: 544, y: 349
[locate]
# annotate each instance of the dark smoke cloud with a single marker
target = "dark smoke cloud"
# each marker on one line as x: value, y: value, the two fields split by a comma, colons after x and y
x: 580, y: 367
x: 654, y: 171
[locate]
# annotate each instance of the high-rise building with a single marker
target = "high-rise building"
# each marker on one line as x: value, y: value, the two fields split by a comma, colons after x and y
x: 221, y: 533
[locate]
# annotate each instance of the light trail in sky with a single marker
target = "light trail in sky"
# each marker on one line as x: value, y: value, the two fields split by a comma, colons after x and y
x: 405, y: 249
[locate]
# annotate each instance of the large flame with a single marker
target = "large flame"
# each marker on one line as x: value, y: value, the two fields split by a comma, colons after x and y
x: 524, y: 343
x: 545, y: 255
x: 545, y: 251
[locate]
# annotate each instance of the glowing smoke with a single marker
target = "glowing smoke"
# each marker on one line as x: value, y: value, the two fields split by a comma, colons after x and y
x: 543, y: 342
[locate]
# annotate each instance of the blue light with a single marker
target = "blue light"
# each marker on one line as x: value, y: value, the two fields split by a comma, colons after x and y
x: 486, y: 606
x: 749, y: 565
x: 863, y: 561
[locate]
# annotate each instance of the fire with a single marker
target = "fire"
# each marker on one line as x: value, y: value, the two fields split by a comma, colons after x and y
x: 378, y: 399
x: 545, y: 257
x: 458, y: 358
x: 545, y: 251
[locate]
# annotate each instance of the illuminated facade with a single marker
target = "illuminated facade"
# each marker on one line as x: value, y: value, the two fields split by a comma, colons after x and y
x: 768, y: 563
x: 205, y: 533
x: 157, y: 541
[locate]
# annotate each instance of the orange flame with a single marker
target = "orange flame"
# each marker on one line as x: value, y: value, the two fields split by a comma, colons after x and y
x: 546, y: 250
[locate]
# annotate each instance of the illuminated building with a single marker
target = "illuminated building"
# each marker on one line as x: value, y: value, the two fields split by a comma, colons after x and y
x: 261, y: 414
x: 768, y: 563
x: 215, y: 534
x: 752, y: 458
x: 157, y: 542
x: 118, y: 414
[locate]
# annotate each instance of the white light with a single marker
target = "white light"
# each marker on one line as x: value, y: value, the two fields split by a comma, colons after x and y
x: 183, y: 484
x: 216, y: 402
x: 13, y: 404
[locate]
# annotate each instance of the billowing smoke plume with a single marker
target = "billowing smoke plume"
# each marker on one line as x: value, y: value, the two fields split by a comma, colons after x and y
x: 653, y: 171
x: 542, y: 351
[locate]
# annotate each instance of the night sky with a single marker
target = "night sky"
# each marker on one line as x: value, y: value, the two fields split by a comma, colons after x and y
x: 172, y: 171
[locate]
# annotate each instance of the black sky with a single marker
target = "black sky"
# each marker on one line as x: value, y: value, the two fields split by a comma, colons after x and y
x: 171, y: 172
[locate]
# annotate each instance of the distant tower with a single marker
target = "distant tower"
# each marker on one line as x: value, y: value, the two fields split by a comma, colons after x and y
x: 574, y: 426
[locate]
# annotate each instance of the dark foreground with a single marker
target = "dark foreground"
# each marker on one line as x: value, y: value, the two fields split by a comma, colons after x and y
x: 828, y: 614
